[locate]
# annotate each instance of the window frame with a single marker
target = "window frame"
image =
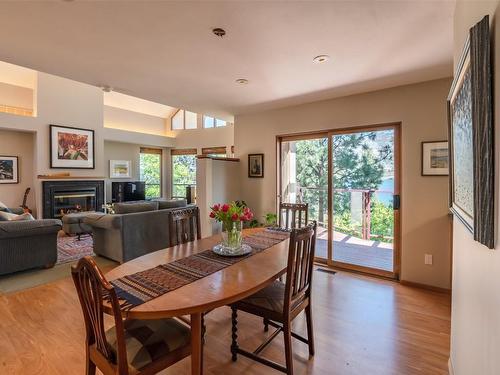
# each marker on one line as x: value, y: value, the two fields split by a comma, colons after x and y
x: 214, y: 122
x: 183, y: 120
x: 152, y: 151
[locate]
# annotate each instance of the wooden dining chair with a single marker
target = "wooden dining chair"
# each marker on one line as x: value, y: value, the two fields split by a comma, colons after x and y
x: 280, y: 303
x: 132, y: 346
x: 184, y: 225
x: 295, y: 215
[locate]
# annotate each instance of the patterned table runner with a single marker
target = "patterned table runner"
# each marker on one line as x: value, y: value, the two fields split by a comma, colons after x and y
x: 138, y: 288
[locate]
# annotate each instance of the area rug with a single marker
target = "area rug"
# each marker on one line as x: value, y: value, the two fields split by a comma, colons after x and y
x: 70, y: 249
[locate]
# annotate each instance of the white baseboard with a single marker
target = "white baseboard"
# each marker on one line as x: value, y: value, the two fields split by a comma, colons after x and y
x: 450, y: 367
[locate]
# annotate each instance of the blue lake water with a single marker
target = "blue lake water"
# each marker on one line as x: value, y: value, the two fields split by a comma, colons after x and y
x: 387, y: 186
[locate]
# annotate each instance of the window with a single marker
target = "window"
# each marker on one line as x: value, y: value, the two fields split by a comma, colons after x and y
x: 184, y: 120
x: 183, y: 171
x: 219, y: 123
x: 208, y: 122
x: 150, y: 171
x: 212, y: 122
x: 178, y: 120
x: 218, y: 152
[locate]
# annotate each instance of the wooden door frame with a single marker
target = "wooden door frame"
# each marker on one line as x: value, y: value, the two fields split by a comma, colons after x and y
x: 396, y: 126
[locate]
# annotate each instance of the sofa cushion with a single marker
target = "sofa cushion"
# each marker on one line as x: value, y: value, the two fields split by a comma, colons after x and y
x: 128, y: 208
x: 7, y: 216
x: 27, y: 228
x: 164, y: 204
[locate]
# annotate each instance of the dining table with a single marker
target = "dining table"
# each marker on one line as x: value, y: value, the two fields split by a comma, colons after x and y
x: 218, y: 289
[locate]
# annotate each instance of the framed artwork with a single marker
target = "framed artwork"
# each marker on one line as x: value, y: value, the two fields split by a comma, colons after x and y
x: 119, y: 169
x: 435, y: 158
x: 9, y: 170
x: 472, y: 147
x: 256, y: 165
x: 71, y: 148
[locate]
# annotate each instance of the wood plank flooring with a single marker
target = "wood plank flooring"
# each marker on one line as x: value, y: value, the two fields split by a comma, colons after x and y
x: 362, y: 326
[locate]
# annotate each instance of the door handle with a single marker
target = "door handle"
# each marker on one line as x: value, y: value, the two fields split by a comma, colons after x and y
x: 396, y: 202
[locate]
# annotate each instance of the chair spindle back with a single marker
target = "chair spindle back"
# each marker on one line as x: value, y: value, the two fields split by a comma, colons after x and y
x: 296, y: 215
x: 184, y: 225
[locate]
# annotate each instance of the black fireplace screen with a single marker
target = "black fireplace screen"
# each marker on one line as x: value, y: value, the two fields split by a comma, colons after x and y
x: 67, y: 202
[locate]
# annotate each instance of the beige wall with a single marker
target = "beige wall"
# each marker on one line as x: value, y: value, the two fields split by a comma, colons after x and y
x: 61, y: 101
x: 475, y: 322
x: 421, y: 108
x: 118, y: 118
x: 130, y: 151
x: 216, y: 182
x: 20, y: 144
x: 199, y: 138
x: 16, y: 96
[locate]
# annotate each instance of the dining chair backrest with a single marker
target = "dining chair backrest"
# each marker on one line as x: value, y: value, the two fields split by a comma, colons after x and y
x: 91, y: 286
x: 293, y: 215
x: 300, y: 265
x: 184, y: 225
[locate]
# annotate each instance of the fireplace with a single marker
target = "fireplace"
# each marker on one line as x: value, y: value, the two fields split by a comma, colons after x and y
x: 64, y: 197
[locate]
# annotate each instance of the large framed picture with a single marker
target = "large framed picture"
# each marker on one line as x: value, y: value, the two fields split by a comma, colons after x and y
x: 71, y: 148
x: 435, y: 158
x: 119, y: 169
x: 256, y: 165
x: 9, y: 170
x: 472, y: 146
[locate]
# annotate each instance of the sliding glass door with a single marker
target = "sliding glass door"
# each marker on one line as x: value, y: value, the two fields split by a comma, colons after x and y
x: 350, y: 179
x: 304, y: 179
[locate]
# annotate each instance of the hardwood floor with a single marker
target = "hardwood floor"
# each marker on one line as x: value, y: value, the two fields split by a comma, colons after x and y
x: 362, y: 326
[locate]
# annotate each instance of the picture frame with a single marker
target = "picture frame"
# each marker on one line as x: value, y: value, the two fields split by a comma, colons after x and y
x: 9, y: 169
x: 472, y: 143
x: 256, y: 165
x: 119, y: 169
x: 71, y: 148
x: 435, y: 158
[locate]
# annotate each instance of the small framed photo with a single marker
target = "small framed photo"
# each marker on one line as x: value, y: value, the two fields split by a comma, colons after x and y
x: 71, y: 148
x: 119, y: 169
x: 256, y: 165
x: 435, y: 158
x: 9, y: 170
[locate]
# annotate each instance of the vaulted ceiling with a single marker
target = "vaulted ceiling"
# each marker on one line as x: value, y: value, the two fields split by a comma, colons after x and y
x: 166, y: 52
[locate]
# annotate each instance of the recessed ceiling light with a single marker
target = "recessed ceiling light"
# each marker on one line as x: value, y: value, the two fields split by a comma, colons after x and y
x: 321, y: 59
x: 242, y: 81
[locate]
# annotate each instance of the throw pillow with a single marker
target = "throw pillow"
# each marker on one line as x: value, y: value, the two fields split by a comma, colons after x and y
x: 4, y: 208
x: 22, y: 217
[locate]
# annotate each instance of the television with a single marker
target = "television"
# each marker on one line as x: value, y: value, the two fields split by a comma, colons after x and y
x: 128, y: 191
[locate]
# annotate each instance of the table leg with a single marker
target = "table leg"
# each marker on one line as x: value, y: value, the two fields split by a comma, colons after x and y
x: 196, y: 345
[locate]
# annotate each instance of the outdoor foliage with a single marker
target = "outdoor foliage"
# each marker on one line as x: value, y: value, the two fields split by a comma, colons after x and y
x: 150, y: 173
x: 360, y: 162
x: 183, y: 173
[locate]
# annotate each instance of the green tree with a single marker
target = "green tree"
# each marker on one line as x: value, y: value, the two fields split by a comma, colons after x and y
x: 150, y: 173
x: 359, y: 162
x: 183, y: 173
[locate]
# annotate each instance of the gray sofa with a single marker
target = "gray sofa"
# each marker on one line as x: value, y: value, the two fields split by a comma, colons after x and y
x: 28, y: 244
x: 135, y: 229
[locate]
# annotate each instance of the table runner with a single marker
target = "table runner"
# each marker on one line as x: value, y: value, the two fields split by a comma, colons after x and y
x: 138, y: 288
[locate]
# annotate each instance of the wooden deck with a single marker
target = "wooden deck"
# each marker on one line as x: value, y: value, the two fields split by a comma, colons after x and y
x: 353, y: 250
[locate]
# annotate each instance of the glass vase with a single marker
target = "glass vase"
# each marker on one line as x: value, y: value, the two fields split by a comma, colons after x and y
x: 231, y: 235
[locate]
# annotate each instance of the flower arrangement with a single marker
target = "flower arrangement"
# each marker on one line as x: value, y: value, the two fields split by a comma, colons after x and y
x: 231, y: 215
x: 228, y: 213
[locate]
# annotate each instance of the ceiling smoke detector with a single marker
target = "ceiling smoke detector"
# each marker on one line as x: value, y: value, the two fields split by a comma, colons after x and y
x: 219, y: 32
x: 321, y: 59
x: 242, y: 81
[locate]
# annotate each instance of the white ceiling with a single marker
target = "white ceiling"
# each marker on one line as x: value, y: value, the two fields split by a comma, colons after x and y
x: 165, y: 51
